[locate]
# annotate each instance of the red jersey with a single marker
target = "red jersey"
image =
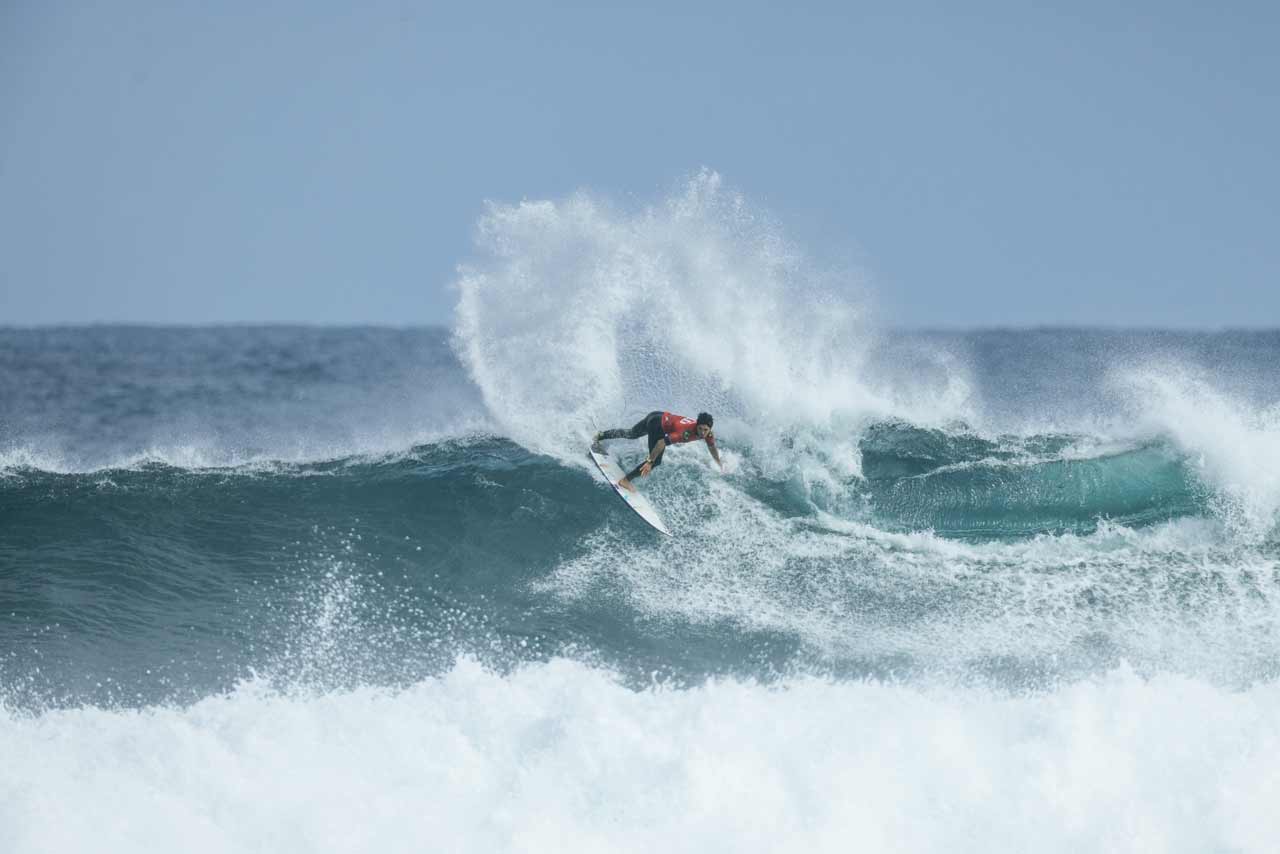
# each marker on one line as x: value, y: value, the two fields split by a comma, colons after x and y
x: 680, y: 430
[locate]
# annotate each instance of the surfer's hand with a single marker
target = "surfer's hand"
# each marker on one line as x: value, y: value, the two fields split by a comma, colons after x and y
x: 645, y: 468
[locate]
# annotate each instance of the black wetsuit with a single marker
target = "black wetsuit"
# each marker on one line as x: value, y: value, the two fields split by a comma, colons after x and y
x: 650, y: 424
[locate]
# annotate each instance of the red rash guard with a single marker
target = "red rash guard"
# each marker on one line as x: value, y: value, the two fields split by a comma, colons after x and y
x: 680, y: 429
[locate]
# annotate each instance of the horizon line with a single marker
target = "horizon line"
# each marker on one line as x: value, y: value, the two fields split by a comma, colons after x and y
x: 406, y: 327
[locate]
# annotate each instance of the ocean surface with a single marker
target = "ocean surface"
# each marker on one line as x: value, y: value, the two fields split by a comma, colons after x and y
x: 359, y: 589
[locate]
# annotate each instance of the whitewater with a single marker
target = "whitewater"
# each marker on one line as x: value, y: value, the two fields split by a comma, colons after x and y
x: 359, y: 589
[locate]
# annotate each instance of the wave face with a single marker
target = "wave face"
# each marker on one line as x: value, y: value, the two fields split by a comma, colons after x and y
x: 310, y: 589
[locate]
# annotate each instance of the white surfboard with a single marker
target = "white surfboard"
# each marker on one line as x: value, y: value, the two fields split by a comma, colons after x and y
x: 634, y: 500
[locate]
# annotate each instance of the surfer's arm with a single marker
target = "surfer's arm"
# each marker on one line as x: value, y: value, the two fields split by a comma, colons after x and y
x: 711, y: 446
x: 655, y: 453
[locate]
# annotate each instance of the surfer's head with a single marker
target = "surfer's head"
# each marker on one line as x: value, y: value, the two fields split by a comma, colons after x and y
x: 704, y: 424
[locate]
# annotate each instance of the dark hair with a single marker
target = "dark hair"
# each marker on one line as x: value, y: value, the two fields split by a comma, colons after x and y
x: 705, y: 418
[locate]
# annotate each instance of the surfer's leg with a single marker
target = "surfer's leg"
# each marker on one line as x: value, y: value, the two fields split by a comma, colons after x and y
x: 646, y: 426
x: 640, y: 429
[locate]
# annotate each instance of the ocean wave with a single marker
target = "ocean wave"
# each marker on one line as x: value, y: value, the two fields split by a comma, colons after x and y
x: 954, y: 483
x: 376, y: 571
x: 961, y: 484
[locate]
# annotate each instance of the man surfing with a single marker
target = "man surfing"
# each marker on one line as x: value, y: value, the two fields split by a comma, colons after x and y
x: 663, y: 428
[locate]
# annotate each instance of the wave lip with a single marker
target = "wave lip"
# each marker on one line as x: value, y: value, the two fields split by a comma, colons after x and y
x: 1233, y: 443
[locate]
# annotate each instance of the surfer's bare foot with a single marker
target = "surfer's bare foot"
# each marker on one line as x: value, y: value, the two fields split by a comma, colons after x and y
x: 626, y: 484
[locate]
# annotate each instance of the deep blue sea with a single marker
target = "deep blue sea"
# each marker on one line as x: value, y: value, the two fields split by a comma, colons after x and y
x: 359, y: 589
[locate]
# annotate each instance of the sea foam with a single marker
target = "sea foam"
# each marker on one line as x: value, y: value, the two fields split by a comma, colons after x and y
x: 559, y: 755
x: 575, y: 309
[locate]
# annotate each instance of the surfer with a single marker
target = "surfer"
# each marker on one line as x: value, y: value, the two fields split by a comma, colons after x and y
x: 664, y: 428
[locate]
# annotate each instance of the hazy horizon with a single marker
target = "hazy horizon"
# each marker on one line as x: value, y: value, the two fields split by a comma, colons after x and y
x: 447, y: 327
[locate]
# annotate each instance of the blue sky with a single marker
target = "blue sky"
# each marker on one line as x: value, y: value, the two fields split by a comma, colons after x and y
x: 983, y: 164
